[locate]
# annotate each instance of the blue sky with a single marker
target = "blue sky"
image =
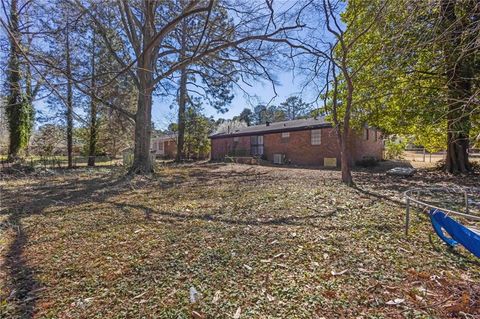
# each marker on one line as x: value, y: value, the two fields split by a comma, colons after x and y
x: 258, y: 92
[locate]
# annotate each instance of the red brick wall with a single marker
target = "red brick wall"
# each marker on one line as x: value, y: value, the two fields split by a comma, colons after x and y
x: 373, y: 147
x: 225, y: 146
x: 170, y: 148
x: 298, y: 148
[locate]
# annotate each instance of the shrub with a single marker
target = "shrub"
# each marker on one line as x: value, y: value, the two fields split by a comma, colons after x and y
x: 394, y: 150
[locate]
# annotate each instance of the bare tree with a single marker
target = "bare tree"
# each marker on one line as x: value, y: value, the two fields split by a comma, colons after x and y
x: 210, y: 78
x: 146, y: 28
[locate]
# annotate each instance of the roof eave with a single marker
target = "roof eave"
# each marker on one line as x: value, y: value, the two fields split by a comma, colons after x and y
x: 270, y: 131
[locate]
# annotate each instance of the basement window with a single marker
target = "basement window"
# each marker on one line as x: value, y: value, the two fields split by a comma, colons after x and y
x: 236, y: 139
x: 316, y: 137
x: 285, y: 134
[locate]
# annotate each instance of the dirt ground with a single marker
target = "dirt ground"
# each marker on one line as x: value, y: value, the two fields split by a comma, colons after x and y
x: 226, y: 241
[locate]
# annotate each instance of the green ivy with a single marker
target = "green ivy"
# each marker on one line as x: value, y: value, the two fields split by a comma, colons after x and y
x: 20, y: 115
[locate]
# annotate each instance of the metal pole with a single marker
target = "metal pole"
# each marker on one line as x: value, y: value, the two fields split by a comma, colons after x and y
x: 407, y: 217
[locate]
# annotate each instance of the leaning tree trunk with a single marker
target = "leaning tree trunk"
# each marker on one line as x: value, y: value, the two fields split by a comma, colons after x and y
x: 459, y: 85
x: 345, y: 145
x: 345, y: 157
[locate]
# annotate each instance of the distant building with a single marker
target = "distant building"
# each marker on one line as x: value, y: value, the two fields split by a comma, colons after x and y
x: 164, y: 145
x: 311, y: 141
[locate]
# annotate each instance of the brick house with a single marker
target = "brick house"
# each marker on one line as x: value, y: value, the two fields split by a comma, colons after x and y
x: 310, y: 142
x: 164, y: 146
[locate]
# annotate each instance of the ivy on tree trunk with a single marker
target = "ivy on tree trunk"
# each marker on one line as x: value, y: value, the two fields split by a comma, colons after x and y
x: 19, y: 110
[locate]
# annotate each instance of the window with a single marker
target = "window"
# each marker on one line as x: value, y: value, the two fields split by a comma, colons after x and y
x: 375, y: 134
x: 160, y: 146
x: 236, y: 139
x: 285, y: 134
x: 256, y: 145
x: 316, y: 137
x: 366, y: 134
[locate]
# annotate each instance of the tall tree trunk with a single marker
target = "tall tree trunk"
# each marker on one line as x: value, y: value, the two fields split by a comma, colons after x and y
x: 16, y: 110
x: 459, y: 91
x: 345, y: 157
x: 142, y: 163
x: 182, y: 98
x: 92, y: 145
x: 69, y: 113
x: 143, y: 129
x: 182, y: 101
x: 29, y: 92
x: 345, y: 144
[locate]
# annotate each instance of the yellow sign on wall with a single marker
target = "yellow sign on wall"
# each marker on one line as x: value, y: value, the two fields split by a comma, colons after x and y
x: 329, y: 162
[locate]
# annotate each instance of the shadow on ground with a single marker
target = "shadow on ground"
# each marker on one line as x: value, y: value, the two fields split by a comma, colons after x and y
x: 34, y: 200
x: 44, y: 192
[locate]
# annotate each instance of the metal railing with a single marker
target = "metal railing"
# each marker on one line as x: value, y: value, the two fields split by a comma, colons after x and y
x: 412, y: 196
x: 420, y: 154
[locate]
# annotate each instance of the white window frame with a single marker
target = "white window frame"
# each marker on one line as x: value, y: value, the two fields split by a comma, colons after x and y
x: 285, y: 134
x: 160, y: 146
x: 316, y: 137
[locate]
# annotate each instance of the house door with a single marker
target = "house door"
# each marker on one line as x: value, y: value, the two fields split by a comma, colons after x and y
x: 256, y: 145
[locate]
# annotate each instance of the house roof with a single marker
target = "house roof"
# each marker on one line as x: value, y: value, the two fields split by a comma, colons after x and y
x: 165, y: 137
x: 276, y: 127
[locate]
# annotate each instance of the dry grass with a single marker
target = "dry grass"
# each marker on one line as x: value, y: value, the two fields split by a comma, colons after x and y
x: 255, y: 242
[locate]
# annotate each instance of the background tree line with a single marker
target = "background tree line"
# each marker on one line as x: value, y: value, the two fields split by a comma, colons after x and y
x: 291, y: 109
